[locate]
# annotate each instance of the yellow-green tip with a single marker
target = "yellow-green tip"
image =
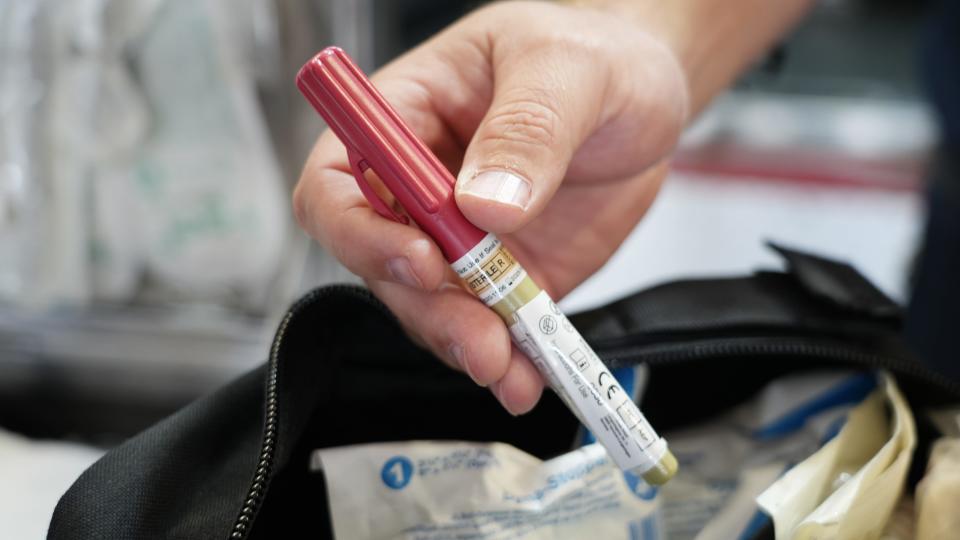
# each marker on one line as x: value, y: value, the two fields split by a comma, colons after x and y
x: 663, y: 471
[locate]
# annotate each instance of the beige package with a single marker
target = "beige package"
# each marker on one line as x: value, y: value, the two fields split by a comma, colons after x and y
x: 938, y: 494
x: 848, y: 488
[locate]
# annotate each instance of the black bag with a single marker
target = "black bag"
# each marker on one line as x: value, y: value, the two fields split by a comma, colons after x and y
x: 234, y: 464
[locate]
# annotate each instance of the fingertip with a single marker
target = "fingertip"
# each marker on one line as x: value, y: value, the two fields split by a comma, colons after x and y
x: 427, y: 262
x: 521, y: 386
x: 485, y: 342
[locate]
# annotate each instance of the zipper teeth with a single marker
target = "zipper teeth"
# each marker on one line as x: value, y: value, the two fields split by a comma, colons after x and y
x: 263, y: 472
x: 821, y: 351
x: 251, y: 503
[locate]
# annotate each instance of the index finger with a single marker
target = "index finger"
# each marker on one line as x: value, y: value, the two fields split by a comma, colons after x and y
x: 331, y: 208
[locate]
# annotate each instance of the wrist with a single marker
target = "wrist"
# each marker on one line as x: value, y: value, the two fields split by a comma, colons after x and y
x: 657, y: 19
x: 713, y: 40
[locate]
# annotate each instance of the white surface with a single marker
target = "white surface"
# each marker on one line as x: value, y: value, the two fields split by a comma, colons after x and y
x: 33, y: 476
x: 705, y: 226
x: 863, y: 127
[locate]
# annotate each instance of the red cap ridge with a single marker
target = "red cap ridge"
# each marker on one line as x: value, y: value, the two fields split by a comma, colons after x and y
x: 377, y: 138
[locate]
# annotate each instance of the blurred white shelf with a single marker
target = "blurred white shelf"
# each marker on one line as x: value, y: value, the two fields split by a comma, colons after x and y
x: 142, y: 353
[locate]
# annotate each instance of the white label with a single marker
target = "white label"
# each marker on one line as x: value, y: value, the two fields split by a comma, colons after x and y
x: 482, y: 491
x: 585, y: 384
x: 489, y: 270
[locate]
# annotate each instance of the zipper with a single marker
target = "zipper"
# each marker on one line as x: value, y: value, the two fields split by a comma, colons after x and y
x: 264, y: 471
x: 665, y: 353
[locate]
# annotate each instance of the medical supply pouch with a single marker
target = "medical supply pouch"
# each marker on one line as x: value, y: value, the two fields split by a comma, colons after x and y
x: 254, y: 459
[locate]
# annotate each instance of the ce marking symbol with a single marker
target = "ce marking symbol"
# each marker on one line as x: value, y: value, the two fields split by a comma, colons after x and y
x: 613, y: 389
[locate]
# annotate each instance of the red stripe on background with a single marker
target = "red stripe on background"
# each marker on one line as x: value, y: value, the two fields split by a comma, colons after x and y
x: 817, y: 169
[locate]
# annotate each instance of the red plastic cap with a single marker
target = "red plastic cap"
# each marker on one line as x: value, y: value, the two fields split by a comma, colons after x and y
x: 377, y: 138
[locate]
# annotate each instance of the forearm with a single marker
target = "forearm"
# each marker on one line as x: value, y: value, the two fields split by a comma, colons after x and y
x: 714, y: 40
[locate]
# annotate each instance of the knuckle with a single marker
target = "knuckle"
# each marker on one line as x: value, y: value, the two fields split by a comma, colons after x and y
x: 568, y: 43
x: 583, y: 48
x: 528, y: 121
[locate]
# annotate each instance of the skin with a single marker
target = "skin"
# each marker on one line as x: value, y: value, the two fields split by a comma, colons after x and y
x: 583, y: 103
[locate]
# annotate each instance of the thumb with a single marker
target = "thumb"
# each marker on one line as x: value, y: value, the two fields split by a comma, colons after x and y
x: 543, y: 108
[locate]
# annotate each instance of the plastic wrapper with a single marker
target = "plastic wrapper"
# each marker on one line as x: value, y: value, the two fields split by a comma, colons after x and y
x: 849, y: 488
x: 938, y: 494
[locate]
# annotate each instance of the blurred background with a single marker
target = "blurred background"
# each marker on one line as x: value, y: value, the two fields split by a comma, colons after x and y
x: 148, y: 150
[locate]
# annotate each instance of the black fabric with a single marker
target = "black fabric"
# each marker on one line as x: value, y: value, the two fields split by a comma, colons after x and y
x: 933, y: 317
x: 934, y: 309
x: 816, y: 296
x: 183, y: 478
x: 345, y: 374
x: 838, y: 283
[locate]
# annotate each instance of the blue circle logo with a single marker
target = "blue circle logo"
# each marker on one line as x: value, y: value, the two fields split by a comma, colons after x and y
x: 639, y: 488
x: 396, y: 472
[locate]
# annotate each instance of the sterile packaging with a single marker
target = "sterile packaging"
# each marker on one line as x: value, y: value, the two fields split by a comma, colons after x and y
x: 849, y: 488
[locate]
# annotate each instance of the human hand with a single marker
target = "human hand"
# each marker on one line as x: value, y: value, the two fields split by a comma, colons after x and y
x: 559, y: 120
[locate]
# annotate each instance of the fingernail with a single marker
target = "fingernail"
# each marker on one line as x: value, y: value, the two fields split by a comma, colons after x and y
x: 500, y: 187
x: 498, y: 392
x: 458, y: 354
x: 401, y: 271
